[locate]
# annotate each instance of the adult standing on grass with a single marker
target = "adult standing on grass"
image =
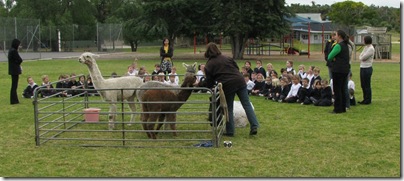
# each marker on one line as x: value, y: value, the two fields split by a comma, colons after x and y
x: 14, y: 69
x: 166, y: 54
x: 339, y: 58
x: 366, y: 70
x: 222, y: 69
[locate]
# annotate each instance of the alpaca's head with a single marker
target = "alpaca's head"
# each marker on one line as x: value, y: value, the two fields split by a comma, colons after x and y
x: 87, y: 58
x: 189, y: 80
x: 190, y: 68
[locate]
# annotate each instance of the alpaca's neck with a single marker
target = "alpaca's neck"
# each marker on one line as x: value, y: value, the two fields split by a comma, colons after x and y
x: 95, y: 75
x: 182, y: 96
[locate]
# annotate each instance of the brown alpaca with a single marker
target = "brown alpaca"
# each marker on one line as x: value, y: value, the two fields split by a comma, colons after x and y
x: 154, y: 95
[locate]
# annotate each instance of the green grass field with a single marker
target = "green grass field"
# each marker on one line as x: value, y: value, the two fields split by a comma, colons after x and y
x: 293, y: 140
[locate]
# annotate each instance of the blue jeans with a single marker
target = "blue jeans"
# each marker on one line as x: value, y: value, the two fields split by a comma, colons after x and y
x: 242, y: 94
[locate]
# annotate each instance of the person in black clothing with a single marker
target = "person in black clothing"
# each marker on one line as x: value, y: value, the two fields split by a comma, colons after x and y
x: 47, y: 87
x: 326, y: 94
x: 284, y: 90
x: 29, y: 90
x: 316, y: 75
x: 315, y: 93
x: 72, y: 84
x: 267, y: 86
x: 275, y: 89
x: 225, y: 70
x: 340, y: 67
x: 157, y: 70
x: 166, y: 54
x: 62, y: 83
x: 259, y: 69
x: 304, y: 91
x: 327, y: 49
x: 258, y: 86
x: 14, y: 69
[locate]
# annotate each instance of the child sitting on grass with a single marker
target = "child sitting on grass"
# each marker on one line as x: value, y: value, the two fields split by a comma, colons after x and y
x: 267, y: 86
x: 285, y: 87
x: 259, y: 85
x: 48, y: 87
x: 29, y: 90
x: 302, y: 73
x: 250, y: 84
x: 275, y: 88
x: 326, y: 94
x: 171, y: 80
x: 315, y: 94
x: 316, y: 75
x: 304, y: 91
x: 294, y: 89
x: 289, y: 67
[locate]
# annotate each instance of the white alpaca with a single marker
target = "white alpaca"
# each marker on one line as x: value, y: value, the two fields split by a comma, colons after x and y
x: 240, y: 117
x: 112, y: 96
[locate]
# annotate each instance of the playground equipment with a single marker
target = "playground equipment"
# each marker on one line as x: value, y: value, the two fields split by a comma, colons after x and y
x: 255, y: 47
x: 381, y: 42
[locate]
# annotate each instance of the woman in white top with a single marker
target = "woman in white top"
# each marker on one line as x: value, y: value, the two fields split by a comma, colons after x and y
x: 366, y: 70
x: 200, y: 73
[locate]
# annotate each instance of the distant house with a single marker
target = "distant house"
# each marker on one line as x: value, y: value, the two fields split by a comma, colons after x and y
x: 303, y: 23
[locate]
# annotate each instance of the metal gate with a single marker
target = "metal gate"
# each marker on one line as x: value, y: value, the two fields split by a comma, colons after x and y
x: 61, y: 120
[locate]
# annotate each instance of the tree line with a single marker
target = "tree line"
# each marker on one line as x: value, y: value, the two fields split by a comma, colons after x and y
x: 155, y: 19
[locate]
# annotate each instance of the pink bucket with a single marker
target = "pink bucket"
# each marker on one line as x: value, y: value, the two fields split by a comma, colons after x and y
x: 92, y: 114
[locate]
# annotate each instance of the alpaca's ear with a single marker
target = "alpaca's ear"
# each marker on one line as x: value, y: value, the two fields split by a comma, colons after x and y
x: 94, y: 55
x: 184, y: 65
x: 194, y: 65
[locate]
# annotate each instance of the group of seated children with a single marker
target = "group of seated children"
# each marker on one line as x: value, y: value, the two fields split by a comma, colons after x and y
x: 157, y: 75
x: 171, y: 78
x: 64, y: 82
x: 291, y: 87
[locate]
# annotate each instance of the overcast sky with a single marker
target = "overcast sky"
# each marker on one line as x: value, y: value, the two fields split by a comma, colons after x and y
x: 390, y: 3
